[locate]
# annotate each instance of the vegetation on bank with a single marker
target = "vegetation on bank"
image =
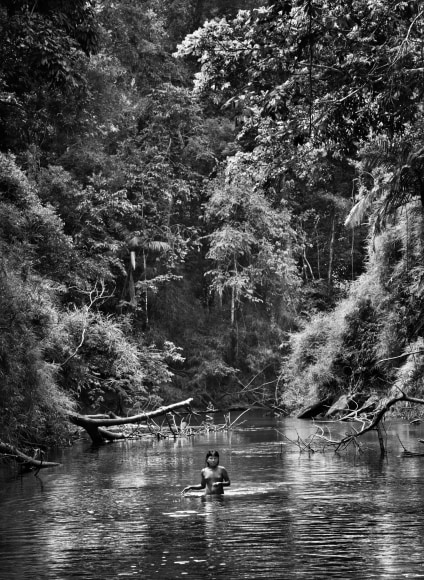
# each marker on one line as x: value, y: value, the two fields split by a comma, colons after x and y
x: 161, y: 239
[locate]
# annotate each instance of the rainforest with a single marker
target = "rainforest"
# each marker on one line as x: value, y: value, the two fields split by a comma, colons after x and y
x: 220, y: 201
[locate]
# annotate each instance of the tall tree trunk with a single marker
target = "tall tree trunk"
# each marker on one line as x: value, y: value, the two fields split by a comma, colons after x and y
x: 318, y: 253
x: 233, y: 305
x: 146, y: 298
x: 233, y: 297
x: 331, y: 255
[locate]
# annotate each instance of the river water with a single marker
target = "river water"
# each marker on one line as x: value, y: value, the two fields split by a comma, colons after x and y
x: 116, y: 512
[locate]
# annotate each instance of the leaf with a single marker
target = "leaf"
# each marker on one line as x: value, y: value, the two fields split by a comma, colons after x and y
x: 359, y: 210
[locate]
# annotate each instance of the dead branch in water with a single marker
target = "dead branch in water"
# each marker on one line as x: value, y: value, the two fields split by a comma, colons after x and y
x: 98, y: 426
x: 27, y: 462
x: 408, y: 453
x: 95, y: 427
x: 360, y: 422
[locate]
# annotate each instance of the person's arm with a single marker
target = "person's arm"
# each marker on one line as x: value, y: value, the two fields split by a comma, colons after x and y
x: 201, y: 485
x: 225, y: 479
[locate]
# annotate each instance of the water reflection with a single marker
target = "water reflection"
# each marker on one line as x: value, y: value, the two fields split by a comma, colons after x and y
x: 117, y: 511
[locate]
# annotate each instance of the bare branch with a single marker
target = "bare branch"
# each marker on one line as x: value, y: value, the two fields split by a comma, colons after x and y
x: 94, y: 295
x: 420, y: 351
x: 405, y: 40
x: 365, y: 422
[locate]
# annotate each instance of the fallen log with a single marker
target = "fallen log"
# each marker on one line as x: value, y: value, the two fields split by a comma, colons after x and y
x: 363, y: 420
x: 316, y: 408
x: 341, y: 405
x: 95, y: 426
x: 25, y: 460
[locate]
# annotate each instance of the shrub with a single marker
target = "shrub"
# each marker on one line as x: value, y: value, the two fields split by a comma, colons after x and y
x: 32, y: 405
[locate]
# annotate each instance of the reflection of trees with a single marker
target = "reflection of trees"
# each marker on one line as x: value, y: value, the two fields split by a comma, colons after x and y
x: 356, y: 513
x: 325, y: 525
x: 118, y: 511
x: 398, y: 534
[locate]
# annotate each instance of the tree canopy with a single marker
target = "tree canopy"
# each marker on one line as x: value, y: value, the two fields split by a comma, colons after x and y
x: 209, y: 201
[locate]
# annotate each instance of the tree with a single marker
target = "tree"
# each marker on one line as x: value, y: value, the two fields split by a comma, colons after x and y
x: 389, y: 177
x: 95, y: 425
x: 274, y: 70
x: 250, y: 241
x: 321, y: 71
x: 44, y: 55
x: 319, y: 89
x: 367, y: 417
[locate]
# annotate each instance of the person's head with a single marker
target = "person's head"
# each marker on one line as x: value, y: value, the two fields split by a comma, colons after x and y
x: 214, y: 457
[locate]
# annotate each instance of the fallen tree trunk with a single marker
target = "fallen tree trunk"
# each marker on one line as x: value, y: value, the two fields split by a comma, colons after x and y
x: 317, y: 408
x: 95, y: 426
x: 25, y: 460
x: 379, y: 413
x: 369, y: 417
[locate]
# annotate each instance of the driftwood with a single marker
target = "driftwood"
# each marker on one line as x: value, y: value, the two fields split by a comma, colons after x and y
x: 363, y: 420
x: 95, y: 426
x: 407, y: 453
x: 176, y: 422
x: 25, y: 460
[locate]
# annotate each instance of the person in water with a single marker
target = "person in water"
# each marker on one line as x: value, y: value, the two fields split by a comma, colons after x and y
x: 214, y: 477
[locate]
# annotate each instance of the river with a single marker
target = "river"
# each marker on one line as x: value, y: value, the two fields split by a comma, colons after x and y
x: 117, y: 512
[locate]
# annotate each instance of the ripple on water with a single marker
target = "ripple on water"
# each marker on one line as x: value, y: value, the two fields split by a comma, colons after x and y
x: 119, y: 513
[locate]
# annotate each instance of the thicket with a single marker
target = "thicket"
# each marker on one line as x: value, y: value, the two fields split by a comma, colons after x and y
x: 161, y: 239
x: 329, y: 100
x: 106, y: 302
x: 371, y: 343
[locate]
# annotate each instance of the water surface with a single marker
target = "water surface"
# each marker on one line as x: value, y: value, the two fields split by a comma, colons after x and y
x: 117, y: 512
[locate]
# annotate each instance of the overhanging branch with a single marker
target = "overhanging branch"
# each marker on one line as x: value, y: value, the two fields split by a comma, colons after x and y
x: 368, y: 421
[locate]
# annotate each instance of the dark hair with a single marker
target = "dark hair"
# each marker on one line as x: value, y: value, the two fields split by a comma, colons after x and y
x: 211, y: 453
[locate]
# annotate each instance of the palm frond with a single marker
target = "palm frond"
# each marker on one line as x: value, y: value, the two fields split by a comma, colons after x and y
x: 406, y: 184
x: 157, y: 246
x: 358, y: 211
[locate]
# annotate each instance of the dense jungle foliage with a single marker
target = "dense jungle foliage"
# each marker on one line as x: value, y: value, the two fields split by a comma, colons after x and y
x: 212, y: 199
